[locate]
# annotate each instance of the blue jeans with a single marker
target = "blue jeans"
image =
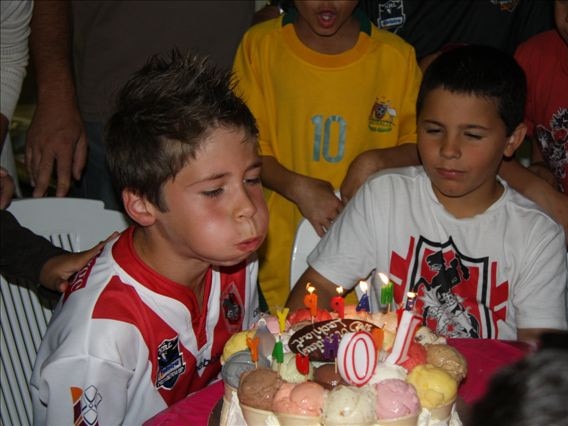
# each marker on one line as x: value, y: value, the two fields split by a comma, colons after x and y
x: 96, y: 182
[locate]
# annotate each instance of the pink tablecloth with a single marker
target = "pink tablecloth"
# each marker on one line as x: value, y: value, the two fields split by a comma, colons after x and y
x: 484, y: 358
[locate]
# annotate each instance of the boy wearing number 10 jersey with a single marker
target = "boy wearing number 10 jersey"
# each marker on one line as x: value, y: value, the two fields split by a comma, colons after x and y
x: 334, y: 99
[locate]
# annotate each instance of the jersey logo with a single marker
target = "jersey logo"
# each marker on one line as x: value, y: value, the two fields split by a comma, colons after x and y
x: 170, y: 364
x: 391, y: 15
x: 506, y: 5
x: 382, y: 116
x: 449, y: 283
x: 85, y: 404
x: 232, y: 308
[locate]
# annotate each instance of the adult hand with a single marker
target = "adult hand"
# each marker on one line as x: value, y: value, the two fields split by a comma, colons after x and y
x: 56, y: 272
x: 318, y: 203
x: 56, y: 141
x: 6, y: 188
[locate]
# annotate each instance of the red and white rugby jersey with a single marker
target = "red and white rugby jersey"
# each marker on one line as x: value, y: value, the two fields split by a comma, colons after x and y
x: 125, y: 342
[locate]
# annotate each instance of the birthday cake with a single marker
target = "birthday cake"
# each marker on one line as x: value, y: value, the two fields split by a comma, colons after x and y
x: 315, y: 367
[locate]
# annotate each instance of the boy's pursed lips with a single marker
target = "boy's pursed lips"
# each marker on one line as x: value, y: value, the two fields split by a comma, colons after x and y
x: 250, y: 244
x: 449, y: 173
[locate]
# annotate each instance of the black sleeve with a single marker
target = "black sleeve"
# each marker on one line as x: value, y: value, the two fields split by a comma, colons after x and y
x: 22, y: 253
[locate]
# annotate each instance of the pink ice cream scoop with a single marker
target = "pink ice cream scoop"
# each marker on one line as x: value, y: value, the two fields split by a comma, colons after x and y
x: 305, y: 399
x: 396, y: 398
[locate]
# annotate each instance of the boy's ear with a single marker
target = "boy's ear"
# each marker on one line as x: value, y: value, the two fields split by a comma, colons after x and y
x: 138, y: 208
x: 515, y: 140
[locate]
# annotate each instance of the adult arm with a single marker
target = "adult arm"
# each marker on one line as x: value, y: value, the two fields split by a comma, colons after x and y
x: 56, y: 139
x: 14, y: 32
x: 314, y: 197
x: 27, y: 257
x: 7, y: 188
x: 22, y: 253
x: 532, y: 186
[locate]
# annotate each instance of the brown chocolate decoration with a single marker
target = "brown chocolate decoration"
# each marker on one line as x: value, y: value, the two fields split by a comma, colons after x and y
x: 309, y: 340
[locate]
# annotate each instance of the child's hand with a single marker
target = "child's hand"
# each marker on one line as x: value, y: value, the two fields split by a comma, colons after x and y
x: 318, y: 203
x: 56, y: 272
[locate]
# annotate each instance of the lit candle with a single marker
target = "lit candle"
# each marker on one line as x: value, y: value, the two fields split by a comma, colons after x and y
x: 252, y: 344
x: 364, y: 302
x: 386, y: 291
x: 410, y: 300
x: 282, y: 314
x: 311, y: 300
x: 338, y: 303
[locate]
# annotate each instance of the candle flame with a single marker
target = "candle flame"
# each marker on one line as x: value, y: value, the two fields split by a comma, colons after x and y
x: 363, y: 286
x: 384, y: 278
x: 310, y: 288
x: 339, y: 290
x: 411, y: 295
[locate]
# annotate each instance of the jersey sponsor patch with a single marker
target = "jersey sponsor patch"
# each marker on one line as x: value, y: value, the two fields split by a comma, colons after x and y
x: 232, y: 308
x: 80, y: 279
x: 85, y: 405
x: 170, y: 364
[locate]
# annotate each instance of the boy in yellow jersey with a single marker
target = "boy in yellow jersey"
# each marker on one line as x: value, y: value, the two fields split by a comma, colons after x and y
x: 334, y: 100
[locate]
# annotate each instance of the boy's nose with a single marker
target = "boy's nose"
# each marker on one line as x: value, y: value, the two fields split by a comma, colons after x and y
x: 244, y: 207
x: 450, y: 147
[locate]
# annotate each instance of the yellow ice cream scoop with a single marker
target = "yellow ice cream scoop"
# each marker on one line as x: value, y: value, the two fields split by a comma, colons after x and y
x: 237, y: 342
x: 434, y: 386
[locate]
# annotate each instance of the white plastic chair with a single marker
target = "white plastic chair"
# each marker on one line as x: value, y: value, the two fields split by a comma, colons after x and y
x: 71, y: 223
x: 304, y: 242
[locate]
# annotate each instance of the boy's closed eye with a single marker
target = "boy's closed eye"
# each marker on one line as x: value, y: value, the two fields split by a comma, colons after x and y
x: 475, y: 136
x: 252, y: 181
x: 213, y: 192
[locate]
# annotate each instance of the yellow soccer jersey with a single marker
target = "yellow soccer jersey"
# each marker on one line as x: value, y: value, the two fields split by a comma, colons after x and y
x: 316, y: 112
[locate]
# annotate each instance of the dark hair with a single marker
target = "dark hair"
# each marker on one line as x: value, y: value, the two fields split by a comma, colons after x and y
x: 481, y: 71
x: 163, y: 115
x: 531, y: 392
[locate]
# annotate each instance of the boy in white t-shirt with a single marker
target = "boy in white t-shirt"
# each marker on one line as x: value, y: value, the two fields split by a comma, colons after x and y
x: 144, y: 324
x: 484, y: 261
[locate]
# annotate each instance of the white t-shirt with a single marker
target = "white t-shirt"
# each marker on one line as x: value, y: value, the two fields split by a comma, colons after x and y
x: 126, y: 342
x: 483, y: 276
